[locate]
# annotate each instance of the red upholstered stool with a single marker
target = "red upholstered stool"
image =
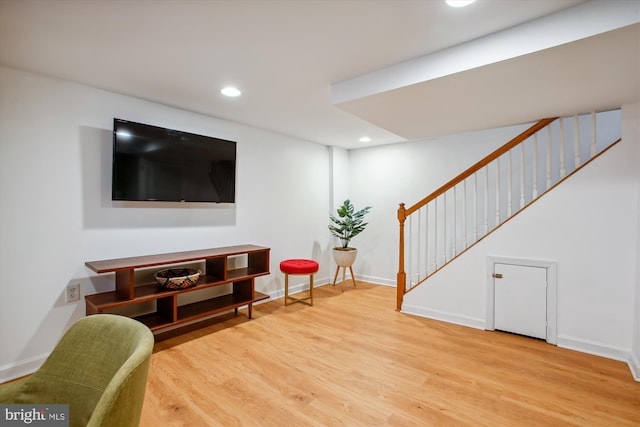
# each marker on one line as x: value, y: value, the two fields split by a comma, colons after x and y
x: 298, y: 267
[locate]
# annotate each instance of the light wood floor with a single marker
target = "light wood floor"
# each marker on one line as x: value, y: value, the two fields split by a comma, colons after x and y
x: 352, y: 360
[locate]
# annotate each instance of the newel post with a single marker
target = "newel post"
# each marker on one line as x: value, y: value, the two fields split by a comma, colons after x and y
x: 402, y: 277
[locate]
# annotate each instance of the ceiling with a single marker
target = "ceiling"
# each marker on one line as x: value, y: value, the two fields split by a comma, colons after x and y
x: 296, y: 60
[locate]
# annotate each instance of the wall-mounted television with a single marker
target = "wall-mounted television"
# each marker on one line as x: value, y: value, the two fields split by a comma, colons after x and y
x: 152, y: 163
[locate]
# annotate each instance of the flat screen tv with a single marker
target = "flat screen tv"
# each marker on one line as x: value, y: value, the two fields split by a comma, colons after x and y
x: 152, y: 163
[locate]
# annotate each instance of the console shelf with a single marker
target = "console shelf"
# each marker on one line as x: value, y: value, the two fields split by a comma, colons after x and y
x: 168, y: 312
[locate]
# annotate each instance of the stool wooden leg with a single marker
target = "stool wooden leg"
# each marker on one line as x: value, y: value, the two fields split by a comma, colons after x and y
x: 286, y: 288
x: 336, y: 276
x: 290, y: 300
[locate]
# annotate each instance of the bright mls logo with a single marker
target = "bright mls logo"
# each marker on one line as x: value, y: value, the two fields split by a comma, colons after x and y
x: 35, y: 415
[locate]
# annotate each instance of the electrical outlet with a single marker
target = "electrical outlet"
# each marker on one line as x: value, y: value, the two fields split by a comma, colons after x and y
x: 73, y: 292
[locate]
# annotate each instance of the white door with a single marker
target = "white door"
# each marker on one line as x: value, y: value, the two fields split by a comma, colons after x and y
x: 521, y: 299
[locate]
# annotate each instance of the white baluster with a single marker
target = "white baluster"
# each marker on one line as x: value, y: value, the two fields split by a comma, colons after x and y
x: 426, y: 238
x: 563, y: 170
x: 435, y: 240
x: 521, y: 175
x: 419, y: 234
x: 576, y: 141
x: 534, y: 170
x: 410, y: 252
x: 454, y: 230
x: 593, y: 134
x: 548, y: 157
x: 486, y: 200
x: 444, y: 227
x: 475, y: 207
x: 497, y: 191
x: 464, y: 214
x: 509, y: 182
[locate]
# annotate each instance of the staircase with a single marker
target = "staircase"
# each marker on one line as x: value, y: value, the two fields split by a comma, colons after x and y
x: 448, y: 222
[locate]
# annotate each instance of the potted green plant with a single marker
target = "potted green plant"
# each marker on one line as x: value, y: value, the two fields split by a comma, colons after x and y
x: 345, y: 226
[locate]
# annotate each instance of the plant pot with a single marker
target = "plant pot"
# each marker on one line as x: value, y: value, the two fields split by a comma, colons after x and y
x: 345, y: 257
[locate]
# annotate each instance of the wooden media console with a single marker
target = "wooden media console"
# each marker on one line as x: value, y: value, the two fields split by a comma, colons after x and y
x: 220, y: 269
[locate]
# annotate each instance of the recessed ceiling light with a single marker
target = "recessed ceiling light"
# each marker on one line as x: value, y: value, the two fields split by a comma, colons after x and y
x: 459, y: 3
x: 365, y: 139
x: 230, y: 91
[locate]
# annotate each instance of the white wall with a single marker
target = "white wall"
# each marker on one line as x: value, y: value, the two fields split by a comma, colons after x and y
x: 631, y: 127
x: 56, y: 210
x: 339, y: 188
x: 588, y: 225
x: 339, y: 159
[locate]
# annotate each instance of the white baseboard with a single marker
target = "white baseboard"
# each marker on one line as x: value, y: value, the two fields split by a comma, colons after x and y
x: 294, y: 289
x: 471, y: 322
x: 602, y: 350
x: 634, y: 366
x: 571, y: 343
x: 18, y: 369
x: 376, y: 280
x: 595, y: 348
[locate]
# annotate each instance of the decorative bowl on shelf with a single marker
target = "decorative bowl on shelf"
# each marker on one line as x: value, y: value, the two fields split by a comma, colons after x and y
x: 177, y: 278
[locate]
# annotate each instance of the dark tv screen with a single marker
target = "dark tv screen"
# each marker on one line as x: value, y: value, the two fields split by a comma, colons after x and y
x: 152, y: 163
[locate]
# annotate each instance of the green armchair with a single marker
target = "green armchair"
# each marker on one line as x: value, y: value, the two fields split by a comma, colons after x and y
x: 99, y: 368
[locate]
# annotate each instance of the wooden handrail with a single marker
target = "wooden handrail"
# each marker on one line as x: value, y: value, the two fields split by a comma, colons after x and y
x: 482, y: 163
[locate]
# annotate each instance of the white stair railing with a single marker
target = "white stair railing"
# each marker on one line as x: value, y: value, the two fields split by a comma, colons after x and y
x: 443, y: 225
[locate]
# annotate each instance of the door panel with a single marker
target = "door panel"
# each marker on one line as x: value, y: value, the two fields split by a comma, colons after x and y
x: 521, y: 299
